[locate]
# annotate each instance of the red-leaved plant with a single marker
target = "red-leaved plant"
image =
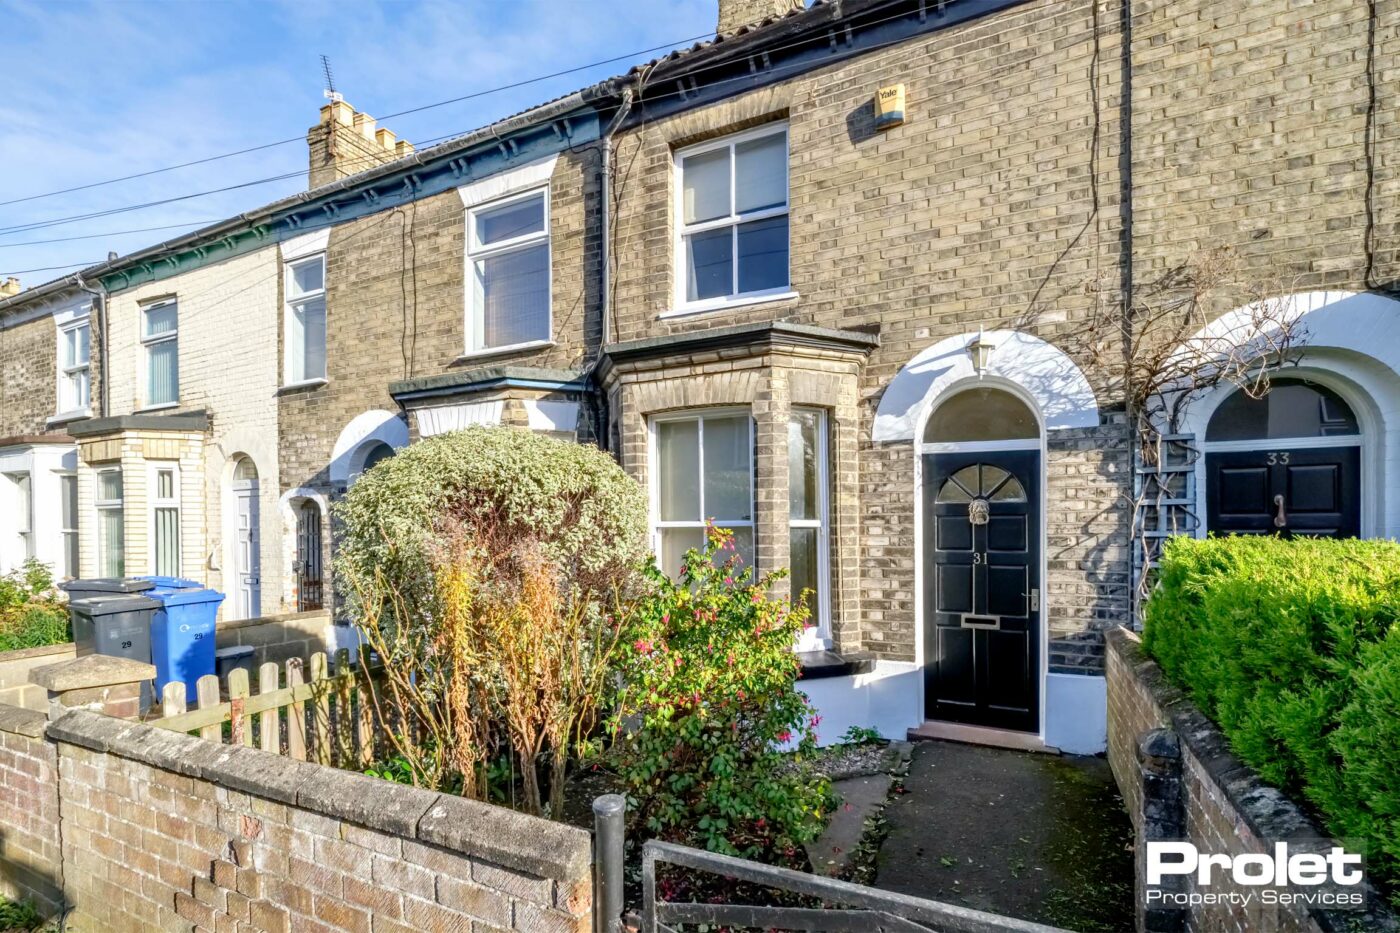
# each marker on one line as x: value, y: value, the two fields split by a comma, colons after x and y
x: 708, y: 703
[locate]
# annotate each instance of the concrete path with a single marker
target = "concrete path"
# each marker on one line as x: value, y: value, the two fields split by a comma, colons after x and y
x: 860, y: 797
x: 1029, y: 835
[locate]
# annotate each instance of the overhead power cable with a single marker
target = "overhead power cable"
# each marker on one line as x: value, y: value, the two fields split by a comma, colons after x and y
x: 649, y: 98
x: 110, y: 233
x: 71, y: 265
x: 402, y: 113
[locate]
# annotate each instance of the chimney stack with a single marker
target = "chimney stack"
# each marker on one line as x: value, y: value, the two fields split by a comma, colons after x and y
x: 347, y: 142
x: 9, y: 287
x: 736, y: 13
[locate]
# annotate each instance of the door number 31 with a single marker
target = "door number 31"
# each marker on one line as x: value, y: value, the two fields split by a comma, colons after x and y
x: 1278, y: 456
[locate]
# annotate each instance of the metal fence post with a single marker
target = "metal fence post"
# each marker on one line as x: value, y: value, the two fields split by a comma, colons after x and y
x: 608, y: 811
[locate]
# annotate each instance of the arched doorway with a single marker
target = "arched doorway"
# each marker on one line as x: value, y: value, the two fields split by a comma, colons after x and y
x: 373, y: 455
x: 1286, y: 463
x: 247, y: 561
x: 981, y: 459
x: 309, y: 579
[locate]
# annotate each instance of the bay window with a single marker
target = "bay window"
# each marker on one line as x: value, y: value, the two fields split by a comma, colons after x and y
x: 733, y: 219
x: 74, y: 366
x: 111, y: 530
x: 809, y: 550
x: 160, y: 345
x: 702, y: 466
x: 508, y: 278
x: 305, y: 316
x: 165, y: 520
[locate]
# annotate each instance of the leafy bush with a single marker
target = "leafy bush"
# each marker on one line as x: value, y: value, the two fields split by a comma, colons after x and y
x: 589, y: 516
x: 1291, y: 647
x: 708, y: 699
x: 18, y: 915
x: 482, y: 566
x: 31, y: 614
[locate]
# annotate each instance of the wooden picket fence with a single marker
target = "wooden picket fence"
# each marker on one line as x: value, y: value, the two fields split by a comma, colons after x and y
x: 310, y: 711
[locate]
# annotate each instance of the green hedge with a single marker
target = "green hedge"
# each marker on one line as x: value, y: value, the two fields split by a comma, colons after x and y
x: 1291, y: 648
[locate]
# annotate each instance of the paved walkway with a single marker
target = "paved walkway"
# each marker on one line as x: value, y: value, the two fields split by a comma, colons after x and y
x: 1035, y: 836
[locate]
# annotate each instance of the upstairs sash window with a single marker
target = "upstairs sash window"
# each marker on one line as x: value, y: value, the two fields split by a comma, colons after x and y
x: 733, y: 218
x: 508, y: 279
x: 160, y: 344
x: 306, y: 320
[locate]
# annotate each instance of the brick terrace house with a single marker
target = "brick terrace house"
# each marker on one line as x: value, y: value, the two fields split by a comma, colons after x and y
x: 850, y: 341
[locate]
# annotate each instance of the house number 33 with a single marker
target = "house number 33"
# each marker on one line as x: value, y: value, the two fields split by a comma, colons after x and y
x: 1278, y: 456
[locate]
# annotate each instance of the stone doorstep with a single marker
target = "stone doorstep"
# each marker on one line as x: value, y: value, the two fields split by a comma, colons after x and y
x: 980, y: 735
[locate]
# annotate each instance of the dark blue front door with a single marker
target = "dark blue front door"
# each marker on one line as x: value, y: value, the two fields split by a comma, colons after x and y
x: 982, y: 588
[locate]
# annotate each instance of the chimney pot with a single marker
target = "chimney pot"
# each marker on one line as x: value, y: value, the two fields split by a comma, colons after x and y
x: 10, y: 287
x: 736, y: 13
x: 364, y: 125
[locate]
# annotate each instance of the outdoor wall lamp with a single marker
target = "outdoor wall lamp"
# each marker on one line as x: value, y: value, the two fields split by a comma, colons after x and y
x: 980, y: 349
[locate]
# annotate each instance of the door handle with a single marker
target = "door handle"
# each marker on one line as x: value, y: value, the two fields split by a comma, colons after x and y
x: 1280, y: 516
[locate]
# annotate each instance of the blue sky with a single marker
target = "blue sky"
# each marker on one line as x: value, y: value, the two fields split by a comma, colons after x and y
x: 100, y: 90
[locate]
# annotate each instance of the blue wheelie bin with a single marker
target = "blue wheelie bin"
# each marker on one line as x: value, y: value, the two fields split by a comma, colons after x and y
x: 182, y: 631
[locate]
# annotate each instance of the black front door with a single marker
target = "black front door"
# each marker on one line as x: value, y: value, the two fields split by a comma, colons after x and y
x: 982, y: 588
x: 1313, y: 491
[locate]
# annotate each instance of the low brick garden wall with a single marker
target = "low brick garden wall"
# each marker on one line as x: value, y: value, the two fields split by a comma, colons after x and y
x: 1180, y: 780
x: 30, y: 860
x: 146, y: 829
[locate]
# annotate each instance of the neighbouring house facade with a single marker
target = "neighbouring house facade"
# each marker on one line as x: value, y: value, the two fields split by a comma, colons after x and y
x: 46, y: 372
x: 854, y: 336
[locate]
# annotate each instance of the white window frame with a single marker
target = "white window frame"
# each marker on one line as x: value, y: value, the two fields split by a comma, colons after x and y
x: 289, y: 306
x: 68, y: 407
x: 654, y: 476
x: 474, y: 324
x: 154, y: 502
x: 680, y: 303
x: 101, y: 505
x: 21, y: 483
x: 148, y: 342
x: 66, y: 533
x: 822, y: 523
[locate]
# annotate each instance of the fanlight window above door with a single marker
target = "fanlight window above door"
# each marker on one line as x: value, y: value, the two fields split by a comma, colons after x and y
x: 981, y: 414
x: 981, y: 481
x: 1292, y: 408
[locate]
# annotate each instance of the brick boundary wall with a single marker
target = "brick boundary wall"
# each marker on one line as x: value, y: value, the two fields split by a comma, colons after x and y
x: 30, y: 860
x: 163, y: 831
x: 1221, y: 804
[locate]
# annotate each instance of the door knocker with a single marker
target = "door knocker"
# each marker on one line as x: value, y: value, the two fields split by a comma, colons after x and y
x: 979, y: 511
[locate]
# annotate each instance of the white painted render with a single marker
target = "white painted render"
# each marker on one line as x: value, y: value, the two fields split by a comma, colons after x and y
x: 886, y: 699
x: 357, y: 438
x: 1059, y: 389
x: 1349, y: 342
x: 43, y: 464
